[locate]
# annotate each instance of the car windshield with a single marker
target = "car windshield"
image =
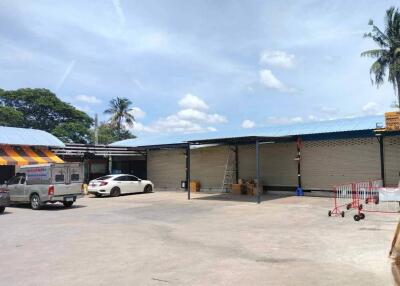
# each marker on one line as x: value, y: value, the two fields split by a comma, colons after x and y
x: 104, y: 178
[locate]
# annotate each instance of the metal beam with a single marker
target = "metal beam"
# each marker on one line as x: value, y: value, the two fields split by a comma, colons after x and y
x: 258, y: 172
x: 188, y: 170
x: 382, y: 157
x: 237, y: 163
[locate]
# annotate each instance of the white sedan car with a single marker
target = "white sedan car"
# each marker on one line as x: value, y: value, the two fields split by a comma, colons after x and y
x: 115, y: 185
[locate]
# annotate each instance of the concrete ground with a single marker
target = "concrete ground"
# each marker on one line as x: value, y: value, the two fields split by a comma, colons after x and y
x: 163, y: 239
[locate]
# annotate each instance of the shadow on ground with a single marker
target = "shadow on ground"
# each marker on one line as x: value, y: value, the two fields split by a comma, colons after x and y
x: 240, y: 198
x: 48, y: 207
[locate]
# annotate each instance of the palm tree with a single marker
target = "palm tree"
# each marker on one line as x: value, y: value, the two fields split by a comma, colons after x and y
x: 119, y: 110
x: 388, y: 54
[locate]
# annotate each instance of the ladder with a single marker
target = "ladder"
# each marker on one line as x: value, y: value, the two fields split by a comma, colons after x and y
x: 229, y: 173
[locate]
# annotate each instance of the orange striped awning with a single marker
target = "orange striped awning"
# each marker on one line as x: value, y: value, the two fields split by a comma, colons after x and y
x: 24, y: 155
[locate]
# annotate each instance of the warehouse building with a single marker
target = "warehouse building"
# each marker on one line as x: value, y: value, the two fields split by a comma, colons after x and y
x: 313, y: 156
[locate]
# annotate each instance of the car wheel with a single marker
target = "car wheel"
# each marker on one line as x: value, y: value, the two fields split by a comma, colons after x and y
x: 68, y: 204
x: 115, y: 192
x: 36, y: 203
x: 148, y: 189
x: 2, y: 209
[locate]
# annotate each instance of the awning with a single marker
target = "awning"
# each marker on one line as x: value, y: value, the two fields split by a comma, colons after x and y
x: 24, y: 155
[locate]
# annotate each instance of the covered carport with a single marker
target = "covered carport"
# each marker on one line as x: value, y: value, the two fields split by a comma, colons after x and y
x: 234, y: 144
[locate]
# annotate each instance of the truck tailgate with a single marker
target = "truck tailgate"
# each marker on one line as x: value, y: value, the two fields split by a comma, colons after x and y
x: 67, y: 189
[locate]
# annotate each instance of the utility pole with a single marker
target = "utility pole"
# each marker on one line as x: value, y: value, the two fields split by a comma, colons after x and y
x: 96, y: 125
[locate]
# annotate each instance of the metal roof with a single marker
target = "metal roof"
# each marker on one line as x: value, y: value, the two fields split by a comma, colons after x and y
x: 28, y: 137
x: 351, y: 126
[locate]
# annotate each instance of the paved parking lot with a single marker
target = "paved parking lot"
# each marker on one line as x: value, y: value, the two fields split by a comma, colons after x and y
x: 163, y: 239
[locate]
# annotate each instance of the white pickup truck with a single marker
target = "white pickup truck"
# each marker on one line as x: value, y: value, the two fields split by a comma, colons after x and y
x: 47, y: 183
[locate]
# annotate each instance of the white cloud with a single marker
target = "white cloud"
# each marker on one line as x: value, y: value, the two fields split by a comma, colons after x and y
x: 87, y: 99
x: 200, y: 116
x: 193, y: 102
x: 137, y: 112
x: 277, y: 58
x: 370, y: 108
x: 187, y: 120
x: 176, y: 124
x: 268, y: 79
x: 137, y: 126
x: 248, y: 124
x: 329, y: 110
x: 284, y: 120
x: 119, y: 11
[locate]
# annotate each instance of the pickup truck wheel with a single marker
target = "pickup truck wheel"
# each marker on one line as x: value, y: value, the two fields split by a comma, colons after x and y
x: 115, y: 192
x: 2, y: 209
x: 36, y: 204
x: 68, y: 204
x: 148, y: 189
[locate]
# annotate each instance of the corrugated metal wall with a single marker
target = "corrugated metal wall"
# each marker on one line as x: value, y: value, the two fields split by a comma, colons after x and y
x: 392, y: 160
x: 207, y: 165
x: 166, y: 168
x: 328, y: 162
x: 324, y: 163
x: 277, y: 164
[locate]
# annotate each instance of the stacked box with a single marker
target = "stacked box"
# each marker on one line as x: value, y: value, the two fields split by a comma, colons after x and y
x: 194, y: 186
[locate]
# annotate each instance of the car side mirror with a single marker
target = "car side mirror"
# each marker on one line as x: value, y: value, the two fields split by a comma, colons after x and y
x: 139, y: 180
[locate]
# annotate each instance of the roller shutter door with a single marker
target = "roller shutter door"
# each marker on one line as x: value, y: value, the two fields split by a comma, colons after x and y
x: 277, y: 164
x: 207, y: 165
x: 326, y: 163
x: 166, y: 168
x: 278, y: 167
x: 392, y: 160
x: 247, y: 162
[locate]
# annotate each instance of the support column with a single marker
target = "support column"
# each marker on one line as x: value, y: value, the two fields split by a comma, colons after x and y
x: 382, y: 157
x: 258, y: 172
x: 109, y: 164
x: 299, y: 190
x: 188, y: 170
x: 237, y: 163
x: 298, y: 163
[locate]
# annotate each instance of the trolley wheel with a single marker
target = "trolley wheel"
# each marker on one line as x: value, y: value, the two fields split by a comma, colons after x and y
x: 329, y: 213
x: 357, y: 217
x: 377, y: 200
x: 348, y: 206
x: 360, y: 207
x: 362, y: 216
x: 342, y: 213
x: 366, y: 201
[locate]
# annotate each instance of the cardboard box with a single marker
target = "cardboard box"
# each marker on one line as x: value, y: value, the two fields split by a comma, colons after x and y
x: 194, y: 186
x: 237, y: 189
x: 250, y: 189
x: 392, y: 120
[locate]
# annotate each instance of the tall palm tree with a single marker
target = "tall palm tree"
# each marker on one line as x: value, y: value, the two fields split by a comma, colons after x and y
x: 119, y: 110
x: 388, y: 54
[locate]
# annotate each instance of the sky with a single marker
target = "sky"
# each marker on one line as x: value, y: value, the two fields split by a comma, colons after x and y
x: 192, y: 67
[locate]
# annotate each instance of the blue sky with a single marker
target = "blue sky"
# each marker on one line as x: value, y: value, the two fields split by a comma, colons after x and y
x: 197, y: 66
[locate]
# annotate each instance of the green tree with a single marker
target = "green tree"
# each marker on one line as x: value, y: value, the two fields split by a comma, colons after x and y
x: 11, y: 117
x: 42, y: 109
x: 388, y: 54
x: 119, y: 110
x: 108, y: 134
x: 72, y: 132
